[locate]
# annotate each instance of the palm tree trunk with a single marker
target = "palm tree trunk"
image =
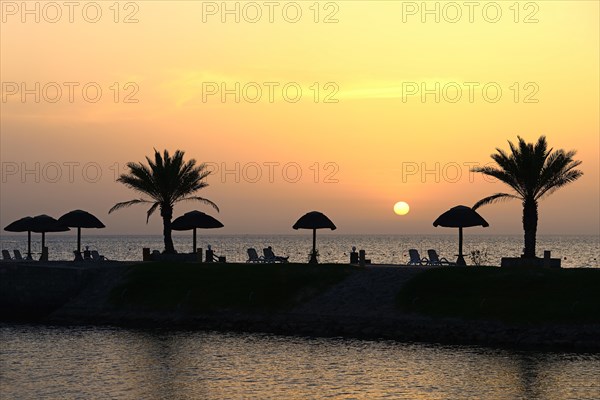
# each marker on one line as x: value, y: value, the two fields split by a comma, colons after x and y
x: 166, y: 212
x: 530, y: 220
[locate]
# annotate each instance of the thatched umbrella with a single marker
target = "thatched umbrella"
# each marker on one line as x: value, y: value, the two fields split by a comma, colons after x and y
x: 80, y: 219
x: 45, y: 223
x: 314, y: 220
x: 460, y: 217
x: 193, y: 220
x: 22, y: 225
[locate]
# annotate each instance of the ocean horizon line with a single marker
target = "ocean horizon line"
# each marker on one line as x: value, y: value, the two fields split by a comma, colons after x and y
x: 200, y: 233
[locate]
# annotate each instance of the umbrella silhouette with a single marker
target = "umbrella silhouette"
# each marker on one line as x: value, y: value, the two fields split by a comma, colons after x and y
x: 193, y: 220
x: 80, y: 219
x: 22, y: 225
x: 314, y: 220
x: 460, y: 217
x: 45, y: 223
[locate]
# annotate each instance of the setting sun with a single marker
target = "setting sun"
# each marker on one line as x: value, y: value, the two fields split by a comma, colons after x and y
x: 401, y: 208
x: 226, y: 169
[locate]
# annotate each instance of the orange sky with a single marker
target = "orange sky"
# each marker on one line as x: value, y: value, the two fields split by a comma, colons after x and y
x: 375, y: 140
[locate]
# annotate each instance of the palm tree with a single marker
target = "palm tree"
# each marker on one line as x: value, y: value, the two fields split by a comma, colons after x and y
x: 166, y: 180
x: 533, y: 172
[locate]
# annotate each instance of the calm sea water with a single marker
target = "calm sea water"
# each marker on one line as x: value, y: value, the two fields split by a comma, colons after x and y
x: 38, y: 362
x: 575, y: 251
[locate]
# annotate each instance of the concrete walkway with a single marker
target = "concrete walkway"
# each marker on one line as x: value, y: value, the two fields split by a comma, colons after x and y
x: 367, y: 293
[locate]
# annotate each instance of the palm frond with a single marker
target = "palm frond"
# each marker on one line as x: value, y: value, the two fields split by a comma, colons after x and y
x: 165, y: 179
x: 139, y: 179
x: 151, y: 210
x: 503, y: 176
x: 202, y: 200
x: 494, y: 199
x: 127, y: 204
x: 564, y: 179
x: 533, y: 170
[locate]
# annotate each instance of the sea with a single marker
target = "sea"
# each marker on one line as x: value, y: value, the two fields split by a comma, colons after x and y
x: 53, y: 362
x: 573, y: 250
x: 99, y: 362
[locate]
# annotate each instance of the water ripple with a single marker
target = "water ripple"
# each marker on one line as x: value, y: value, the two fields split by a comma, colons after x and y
x: 89, y: 362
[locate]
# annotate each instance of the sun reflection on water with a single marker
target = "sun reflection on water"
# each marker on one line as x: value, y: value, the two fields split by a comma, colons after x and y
x: 51, y: 362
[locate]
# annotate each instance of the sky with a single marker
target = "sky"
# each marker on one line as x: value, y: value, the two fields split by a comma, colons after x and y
x: 344, y: 107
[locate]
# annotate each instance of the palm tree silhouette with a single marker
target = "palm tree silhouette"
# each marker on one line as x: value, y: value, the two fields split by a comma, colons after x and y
x: 166, y: 180
x: 533, y: 172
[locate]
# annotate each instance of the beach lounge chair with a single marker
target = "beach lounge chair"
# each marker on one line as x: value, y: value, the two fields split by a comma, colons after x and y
x: 415, y: 258
x: 6, y: 255
x: 211, y: 257
x: 253, y: 256
x: 434, y: 259
x: 270, y: 257
x: 97, y: 257
x: 18, y: 255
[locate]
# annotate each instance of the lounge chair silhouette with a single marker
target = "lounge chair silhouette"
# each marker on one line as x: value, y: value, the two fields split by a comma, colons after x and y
x: 272, y: 258
x: 97, y: 257
x: 415, y: 258
x: 6, y: 255
x: 253, y: 256
x: 212, y: 257
x: 434, y: 259
x: 18, y: 255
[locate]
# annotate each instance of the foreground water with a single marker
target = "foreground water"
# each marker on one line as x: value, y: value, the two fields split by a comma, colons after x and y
x: 38, y: 362
x: 575, y: 251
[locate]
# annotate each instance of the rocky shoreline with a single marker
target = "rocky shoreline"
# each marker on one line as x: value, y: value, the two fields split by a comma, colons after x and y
x: 361, y: 306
